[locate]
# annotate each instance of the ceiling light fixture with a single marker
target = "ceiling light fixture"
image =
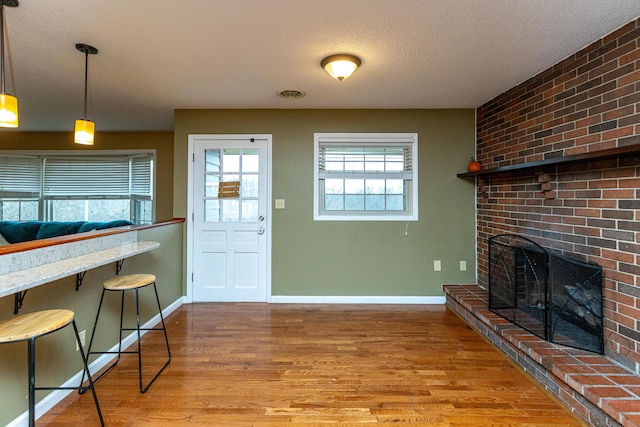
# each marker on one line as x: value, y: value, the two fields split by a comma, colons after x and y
x: 8, y: 103
x: 85, y: 128
x: 340, y: 66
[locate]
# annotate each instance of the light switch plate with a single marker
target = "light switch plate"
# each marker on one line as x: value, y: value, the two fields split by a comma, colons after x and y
x: 279, y: 203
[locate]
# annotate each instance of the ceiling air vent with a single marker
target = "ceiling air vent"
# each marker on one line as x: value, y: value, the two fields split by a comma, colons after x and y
x: 291, y: 94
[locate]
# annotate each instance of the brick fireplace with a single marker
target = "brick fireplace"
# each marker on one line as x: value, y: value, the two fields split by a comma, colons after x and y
x: 587, y: 103
x: 560, y: 158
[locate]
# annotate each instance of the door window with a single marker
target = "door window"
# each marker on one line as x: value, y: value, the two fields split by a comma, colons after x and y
x: 229, y: 166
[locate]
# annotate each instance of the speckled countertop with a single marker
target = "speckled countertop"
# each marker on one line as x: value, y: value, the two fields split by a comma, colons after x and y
x: 25, y: 270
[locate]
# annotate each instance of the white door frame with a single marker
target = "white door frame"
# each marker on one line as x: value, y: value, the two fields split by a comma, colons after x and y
x: 190, y: 213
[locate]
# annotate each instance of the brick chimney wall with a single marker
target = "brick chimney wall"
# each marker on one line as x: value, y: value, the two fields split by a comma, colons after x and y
x: 586, y: 103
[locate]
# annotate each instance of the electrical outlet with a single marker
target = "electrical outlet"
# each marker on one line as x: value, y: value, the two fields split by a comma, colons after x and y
x: 279, y: 203
x: 83, y: 335
x: 437, y: 265
x: 463, y: 265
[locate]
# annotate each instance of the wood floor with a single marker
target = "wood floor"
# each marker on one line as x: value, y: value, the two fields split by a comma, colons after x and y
x: 284, y: 365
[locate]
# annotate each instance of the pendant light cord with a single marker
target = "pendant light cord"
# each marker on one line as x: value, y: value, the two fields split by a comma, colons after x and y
x: 86, y: 73
x: 2, y: 48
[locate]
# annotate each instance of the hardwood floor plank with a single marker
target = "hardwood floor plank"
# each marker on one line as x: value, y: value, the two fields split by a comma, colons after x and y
x: 267, y: 365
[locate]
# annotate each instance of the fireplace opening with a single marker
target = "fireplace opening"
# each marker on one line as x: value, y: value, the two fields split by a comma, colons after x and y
x: 552, y: 296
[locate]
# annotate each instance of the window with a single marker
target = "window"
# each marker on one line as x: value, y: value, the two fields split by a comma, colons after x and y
x: 64, y: 186
x: 366, y: 177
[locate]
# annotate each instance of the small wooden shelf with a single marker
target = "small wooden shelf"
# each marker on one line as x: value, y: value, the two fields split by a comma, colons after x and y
x: 612, y: 153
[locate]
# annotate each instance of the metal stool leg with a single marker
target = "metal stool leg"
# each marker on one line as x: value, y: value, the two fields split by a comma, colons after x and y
x: 93, y: 333
x: 164, y: 329
x: 85, y: 365
x: 31, y: 355
x: 143, y: 389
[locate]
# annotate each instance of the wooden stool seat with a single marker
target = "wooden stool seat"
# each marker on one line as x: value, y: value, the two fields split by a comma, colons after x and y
x: 130, y: 281
x: 33, y: 325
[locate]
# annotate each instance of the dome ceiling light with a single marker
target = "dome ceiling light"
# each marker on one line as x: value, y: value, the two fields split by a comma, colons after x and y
x: 340, y: 66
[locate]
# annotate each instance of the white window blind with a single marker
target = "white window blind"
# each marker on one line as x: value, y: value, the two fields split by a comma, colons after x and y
x: 20, y: 176
x: 366, y: 161
x: 141, y: 173
x: 86, y: 176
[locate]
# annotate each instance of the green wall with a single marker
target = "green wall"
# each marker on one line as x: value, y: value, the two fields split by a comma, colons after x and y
x: 339, y: 258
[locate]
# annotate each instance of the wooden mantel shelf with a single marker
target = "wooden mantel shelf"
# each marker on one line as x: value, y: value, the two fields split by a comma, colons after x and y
x: 612, y: 153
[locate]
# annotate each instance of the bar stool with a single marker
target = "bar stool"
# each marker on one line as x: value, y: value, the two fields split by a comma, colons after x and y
x: 122, y: 284
x: 28, y: 327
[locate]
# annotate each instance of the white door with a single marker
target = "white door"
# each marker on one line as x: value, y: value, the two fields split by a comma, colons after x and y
x: 230, y: 224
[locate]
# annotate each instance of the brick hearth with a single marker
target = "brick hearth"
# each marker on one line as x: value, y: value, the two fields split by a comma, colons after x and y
x: 594, y: 387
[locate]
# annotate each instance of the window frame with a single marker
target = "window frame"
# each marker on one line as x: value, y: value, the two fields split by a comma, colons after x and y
x: 389, y: 140
x: 133, y: 197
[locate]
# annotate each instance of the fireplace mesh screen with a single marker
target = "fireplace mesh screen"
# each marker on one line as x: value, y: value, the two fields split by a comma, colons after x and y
x: 551, y: 296
x: 518, y: 282
x: 575, y: 318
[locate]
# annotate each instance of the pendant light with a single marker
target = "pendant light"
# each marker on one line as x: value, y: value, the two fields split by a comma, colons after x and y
x: 8, y: 103
x: 85, y: 128
x: 340, y: 66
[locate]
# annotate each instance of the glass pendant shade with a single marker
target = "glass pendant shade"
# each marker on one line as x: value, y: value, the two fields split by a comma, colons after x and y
x: 340, y: 66
x: 8, y: 103
x: 8, y: 111
x: 84, y: 132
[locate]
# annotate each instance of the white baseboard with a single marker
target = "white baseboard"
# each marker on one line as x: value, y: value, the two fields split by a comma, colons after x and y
x: 56, y: 396
x: 275, y: 299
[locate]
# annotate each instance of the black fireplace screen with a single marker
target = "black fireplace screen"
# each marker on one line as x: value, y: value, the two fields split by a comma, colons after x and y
x: 551, y: 296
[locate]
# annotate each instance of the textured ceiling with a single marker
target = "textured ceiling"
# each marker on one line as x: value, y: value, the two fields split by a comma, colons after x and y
x: 159, y: 55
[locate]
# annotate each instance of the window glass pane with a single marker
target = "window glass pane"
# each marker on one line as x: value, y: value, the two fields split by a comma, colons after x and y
x: 375, y: 186
x: 354, y: 186
x: 231, y: 177
x: 108, y: 210
x: 211, y: 184
x: 230, y: 210
x: 249, y: 211
x: 334, y: 186
x: 143, y: 212
x: 231, y: 161
x: 212, y: 161
x: 19, y: 210
x: 375, y: 203
x: 334, y: 203
x: 395, y: 203
x: 88, y: 210
x: 250, y: 161
x: 354, y: 203
x: 395, y: 186
x: 249, y: 186
x: 212, y: 211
